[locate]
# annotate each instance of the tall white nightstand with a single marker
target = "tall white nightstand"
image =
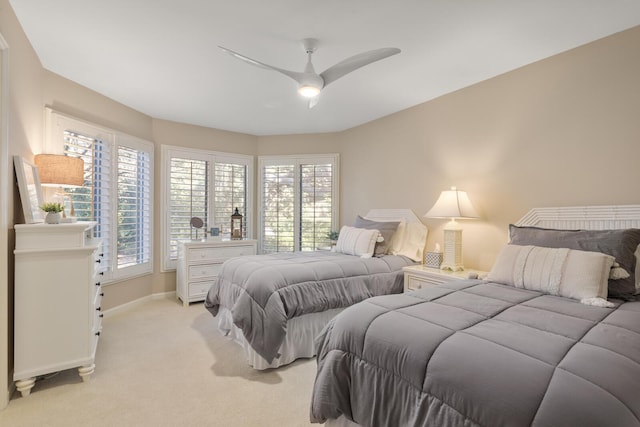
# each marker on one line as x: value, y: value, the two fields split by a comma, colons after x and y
x: 415, y: 276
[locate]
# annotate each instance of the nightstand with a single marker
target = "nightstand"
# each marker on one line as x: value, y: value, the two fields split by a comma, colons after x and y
x: 415, y: 276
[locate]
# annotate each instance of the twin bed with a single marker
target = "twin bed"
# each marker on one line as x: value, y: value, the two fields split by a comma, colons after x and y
x: 551, y: 338
x: 275, y: 305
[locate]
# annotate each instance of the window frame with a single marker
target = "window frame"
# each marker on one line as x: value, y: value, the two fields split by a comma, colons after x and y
x: 170, y: 151
x: 297, y: 160
x: 146, y: 267
x: 56, y: 123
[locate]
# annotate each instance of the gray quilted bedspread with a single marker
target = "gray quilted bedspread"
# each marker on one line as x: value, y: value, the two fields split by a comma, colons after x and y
x: 264, y: 291
x: 473, y: 353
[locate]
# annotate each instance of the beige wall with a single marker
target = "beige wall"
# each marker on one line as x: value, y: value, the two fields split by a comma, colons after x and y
x: 76, y: 100
x: 24, y: 130
x: 321, y: 143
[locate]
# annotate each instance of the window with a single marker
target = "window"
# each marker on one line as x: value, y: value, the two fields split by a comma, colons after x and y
x: 134, y: 210
x: 204, y: 184
x: 188, y: 197
x: 298, y: 202
x: 92, y: 201
x: 117, y: 191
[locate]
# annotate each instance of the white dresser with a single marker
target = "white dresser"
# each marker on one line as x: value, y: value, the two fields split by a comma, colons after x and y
x: 199, y: 263
x: 57, y: 300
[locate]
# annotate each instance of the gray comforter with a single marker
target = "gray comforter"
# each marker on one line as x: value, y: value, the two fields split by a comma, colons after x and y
x: 472, y: 353
x: 264, y: 291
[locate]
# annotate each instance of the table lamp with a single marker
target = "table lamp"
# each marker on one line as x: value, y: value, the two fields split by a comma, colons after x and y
x: 454, y: 204
x: 57, y: 170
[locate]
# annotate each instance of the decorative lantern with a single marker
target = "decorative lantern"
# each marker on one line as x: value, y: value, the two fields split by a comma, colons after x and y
x: 236, y: 225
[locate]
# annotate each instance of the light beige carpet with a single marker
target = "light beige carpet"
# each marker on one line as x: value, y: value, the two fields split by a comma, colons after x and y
x: 161, y: 364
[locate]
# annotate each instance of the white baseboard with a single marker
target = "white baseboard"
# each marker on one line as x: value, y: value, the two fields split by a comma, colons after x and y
x: 139, y: 301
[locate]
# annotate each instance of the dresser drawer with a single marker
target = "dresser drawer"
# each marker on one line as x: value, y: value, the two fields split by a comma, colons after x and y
x: 204, y: 271
x: 419, y: 276
x: 94, y: 341
x: 217, y: 254
x: 198, y: 290
x: 97, y: 321
x: 97, y: 311
x: 418, y: 282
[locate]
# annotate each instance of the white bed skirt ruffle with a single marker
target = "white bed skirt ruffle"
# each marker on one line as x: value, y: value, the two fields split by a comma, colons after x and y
x: 298, y: 343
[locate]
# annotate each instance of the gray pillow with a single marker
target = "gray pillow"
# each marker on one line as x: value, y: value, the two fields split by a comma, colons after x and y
x: 621, y: 244
x: 386, y: 228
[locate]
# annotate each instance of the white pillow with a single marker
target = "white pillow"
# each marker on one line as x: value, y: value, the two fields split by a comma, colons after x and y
x: 357, y: 241
x: 409, y: 240
x: 565, y: 272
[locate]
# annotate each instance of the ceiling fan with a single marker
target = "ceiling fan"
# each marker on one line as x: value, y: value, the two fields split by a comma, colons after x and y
x: 311, y: 83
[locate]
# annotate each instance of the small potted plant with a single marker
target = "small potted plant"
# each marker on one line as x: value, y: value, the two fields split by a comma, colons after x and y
x: 53, y: 211
x: 333, y: 236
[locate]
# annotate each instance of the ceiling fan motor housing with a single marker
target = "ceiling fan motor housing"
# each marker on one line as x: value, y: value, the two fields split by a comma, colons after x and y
x: 310, y: 85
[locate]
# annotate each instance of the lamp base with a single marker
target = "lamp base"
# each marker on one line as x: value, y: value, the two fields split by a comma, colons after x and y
x: 452, y: 256
x: 451, y: 267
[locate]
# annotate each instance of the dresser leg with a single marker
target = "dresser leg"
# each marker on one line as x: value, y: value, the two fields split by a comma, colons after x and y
x: 86, y: 371
x: 25, y: 386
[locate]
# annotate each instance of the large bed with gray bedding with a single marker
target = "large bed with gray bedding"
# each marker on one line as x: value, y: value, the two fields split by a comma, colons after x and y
x: 475, y: 353
x: 550, y: 338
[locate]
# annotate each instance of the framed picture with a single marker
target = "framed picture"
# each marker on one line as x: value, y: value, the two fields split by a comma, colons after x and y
x: 30, y: 190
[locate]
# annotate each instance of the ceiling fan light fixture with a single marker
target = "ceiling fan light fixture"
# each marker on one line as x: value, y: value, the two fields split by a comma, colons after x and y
x: 308, y: 91
x: 311, y: 83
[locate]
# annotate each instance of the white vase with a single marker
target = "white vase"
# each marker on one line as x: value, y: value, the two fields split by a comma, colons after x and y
x: 53, y: 218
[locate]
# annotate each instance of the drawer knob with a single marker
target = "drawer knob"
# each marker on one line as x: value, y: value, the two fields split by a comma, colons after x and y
x: 101, y: 294
x: 98, y: 261
x: 98, y: 333
x: 101, y: 273
x: 99, y: 309
x: 101, y: 315
x: 97, y: 283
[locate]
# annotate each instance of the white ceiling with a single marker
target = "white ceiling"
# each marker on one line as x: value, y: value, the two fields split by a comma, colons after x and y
x: 160, y: 56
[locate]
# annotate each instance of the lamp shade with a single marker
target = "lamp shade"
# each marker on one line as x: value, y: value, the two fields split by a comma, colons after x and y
x: 57, y: 170
x: 452, y: 204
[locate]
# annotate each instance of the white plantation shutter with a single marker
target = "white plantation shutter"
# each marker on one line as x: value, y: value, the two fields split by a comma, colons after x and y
x: 204, y: 184
x: 189, y: 197
x: 316, y: 205
x: 298, y: 201
x: 93, y: 201
x: 230, y: 193
x: 134, y: 207
x: 278, y: 208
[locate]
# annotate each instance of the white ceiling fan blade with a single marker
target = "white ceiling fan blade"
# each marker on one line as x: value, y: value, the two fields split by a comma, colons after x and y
x: 333, y: 73
x: 298, y: 77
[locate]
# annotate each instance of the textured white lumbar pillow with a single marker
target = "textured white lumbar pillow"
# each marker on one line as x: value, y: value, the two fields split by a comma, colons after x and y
x: 564, y: 272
